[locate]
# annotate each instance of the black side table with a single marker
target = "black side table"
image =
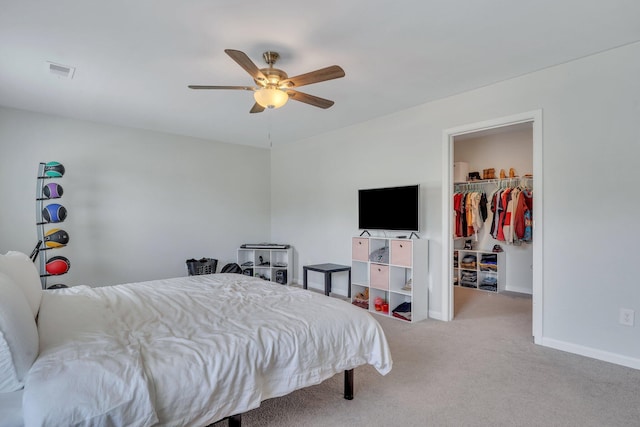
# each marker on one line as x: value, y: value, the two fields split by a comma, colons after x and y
x: 327, y: 269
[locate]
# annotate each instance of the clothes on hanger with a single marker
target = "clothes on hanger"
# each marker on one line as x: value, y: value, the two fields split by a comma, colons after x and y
x: 511, y: 207
x: 470, y: 212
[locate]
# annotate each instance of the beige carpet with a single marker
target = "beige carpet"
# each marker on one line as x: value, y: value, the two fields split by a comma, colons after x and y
x: 482, y: 369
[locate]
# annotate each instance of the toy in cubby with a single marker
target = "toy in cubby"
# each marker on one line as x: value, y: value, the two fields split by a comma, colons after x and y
x: 381, y: 305
x: 361, y: 299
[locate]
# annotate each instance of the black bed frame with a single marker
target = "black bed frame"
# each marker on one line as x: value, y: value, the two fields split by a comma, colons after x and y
x: 236, y: 420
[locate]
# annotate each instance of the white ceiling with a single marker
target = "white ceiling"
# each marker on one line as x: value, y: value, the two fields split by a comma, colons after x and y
x: 135, y: 58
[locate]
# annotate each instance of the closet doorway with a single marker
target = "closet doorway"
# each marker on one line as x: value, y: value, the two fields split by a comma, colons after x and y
x: 512, y: 144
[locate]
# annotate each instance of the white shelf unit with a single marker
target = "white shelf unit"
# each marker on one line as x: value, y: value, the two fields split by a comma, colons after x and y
x: 482, y: 270
x: 408, y: 259
x: 266, y: 263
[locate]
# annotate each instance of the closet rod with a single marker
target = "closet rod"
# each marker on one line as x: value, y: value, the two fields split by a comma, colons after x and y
x: 496, y: 181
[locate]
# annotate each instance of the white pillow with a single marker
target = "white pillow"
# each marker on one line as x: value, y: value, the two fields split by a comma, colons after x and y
x: 8, y: 377
x: 18, y: 336
x: 24, y: 273
x: 11, y: 409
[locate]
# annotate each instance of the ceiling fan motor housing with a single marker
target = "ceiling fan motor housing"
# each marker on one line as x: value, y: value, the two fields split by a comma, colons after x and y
x: 274, y: 76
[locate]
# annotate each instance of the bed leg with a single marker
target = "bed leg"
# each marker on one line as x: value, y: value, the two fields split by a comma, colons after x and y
x: 348, y: 384
x: 235, y: 420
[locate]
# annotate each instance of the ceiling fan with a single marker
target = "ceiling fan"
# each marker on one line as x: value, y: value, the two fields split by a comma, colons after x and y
x: 274, y: 87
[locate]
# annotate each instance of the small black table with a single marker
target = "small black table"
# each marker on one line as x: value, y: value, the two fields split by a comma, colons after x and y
x: 327, y: 269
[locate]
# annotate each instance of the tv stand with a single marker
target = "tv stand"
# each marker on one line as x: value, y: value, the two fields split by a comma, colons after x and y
x: 413, y: 233
x: 398, y: 282
x: 365, y: 231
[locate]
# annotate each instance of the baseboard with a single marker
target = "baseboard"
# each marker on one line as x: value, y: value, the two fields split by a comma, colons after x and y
x: 593, y: 353
x: 527, y: 291
x: 436, y: 315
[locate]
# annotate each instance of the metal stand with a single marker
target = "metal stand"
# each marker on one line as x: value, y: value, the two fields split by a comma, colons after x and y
x: 40, y: 225
x: 44, y: 240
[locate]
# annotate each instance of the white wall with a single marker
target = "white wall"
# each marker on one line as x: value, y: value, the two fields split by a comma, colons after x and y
x: 139, y: 202
x: 590, y: 155
x: 315, y: 185
x: 512, y: 147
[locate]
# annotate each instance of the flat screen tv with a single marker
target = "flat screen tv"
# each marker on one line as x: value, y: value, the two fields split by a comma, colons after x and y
x: 393, y: 208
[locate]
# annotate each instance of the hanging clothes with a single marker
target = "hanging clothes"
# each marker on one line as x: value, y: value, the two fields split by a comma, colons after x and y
x: 519, y: 218
x: 505, y: 217
x: 511, y: 207
x: 513, y: 220
x: 527, y: 194
x: 457, y: 212
x: 509, y: 225
x: 470, y: 212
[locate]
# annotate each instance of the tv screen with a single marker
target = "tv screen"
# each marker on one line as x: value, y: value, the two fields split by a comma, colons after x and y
x: 393, y: 208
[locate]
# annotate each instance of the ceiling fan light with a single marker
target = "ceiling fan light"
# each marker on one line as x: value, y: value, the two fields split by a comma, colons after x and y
x: 270, y: 97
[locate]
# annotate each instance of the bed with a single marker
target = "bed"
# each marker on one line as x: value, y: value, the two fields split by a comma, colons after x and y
x: 184, y: 351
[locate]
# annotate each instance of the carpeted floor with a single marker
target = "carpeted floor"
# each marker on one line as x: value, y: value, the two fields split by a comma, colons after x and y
x: 482, y: 369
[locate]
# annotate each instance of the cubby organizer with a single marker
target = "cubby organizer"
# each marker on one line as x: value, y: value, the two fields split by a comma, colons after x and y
x: 483, y: 270
x: 273, y: 264
x: 49, y: 212
x: 390, y: 274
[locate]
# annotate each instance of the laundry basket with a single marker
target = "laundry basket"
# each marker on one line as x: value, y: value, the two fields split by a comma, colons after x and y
x: 196, y: 267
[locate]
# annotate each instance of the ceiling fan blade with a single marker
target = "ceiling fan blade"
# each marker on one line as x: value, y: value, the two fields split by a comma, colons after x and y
x: 243, y: 60
x: 309, y: 99
x: 321, y: 75
x: 257, y: 108
x: 222, y: 87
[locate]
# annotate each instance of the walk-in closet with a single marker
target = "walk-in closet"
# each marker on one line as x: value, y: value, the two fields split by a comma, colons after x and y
x: 492, y: 200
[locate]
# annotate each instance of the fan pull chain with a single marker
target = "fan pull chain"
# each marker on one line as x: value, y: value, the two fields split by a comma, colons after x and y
x: 269, y: 122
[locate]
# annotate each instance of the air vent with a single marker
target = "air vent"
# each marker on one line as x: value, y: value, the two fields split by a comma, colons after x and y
x: 59, y: 70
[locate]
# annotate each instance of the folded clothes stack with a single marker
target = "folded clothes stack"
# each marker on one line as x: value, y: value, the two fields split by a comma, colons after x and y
x: 489, y: 262
x: 468, y: 261
x: 489, y: 283
x: 403, y: 311
x: 469, y: 279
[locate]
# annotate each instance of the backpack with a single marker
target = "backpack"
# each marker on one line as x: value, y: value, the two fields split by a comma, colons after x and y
x: 231, y: 268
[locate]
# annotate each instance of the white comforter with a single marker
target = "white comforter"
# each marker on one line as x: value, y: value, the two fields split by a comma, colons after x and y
x: 188, y: 351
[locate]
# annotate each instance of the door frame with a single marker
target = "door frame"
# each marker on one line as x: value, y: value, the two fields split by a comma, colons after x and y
x: 448, y: 135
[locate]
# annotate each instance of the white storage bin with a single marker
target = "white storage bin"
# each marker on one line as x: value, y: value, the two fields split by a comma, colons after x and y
x: 460, y: 172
